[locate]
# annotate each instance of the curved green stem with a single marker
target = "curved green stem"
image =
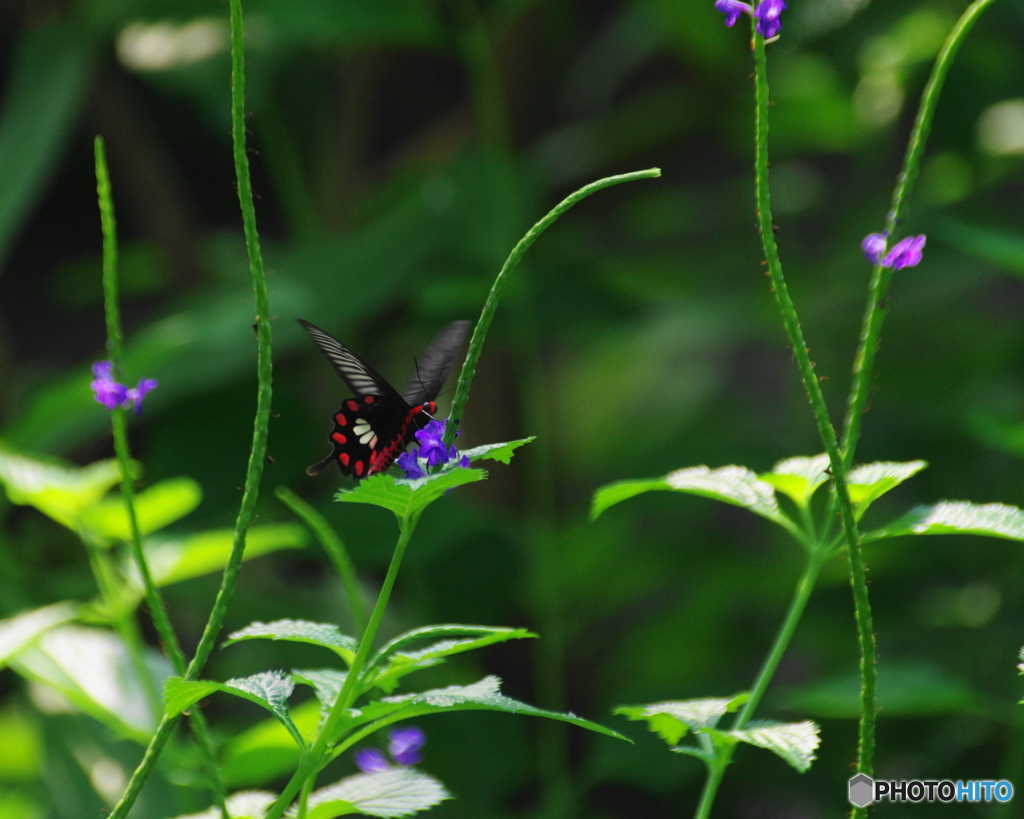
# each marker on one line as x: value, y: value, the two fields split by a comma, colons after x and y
x: 881, y: 277
x: 476, y: 343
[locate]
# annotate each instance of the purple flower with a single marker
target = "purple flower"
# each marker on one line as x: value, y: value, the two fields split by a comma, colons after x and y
x: 372, y: 760
x: 404, y: 746
x: 732, y: 9
x: 430, y: 453
x: 767, y: 14
x: 906, y: 253
x: 112, y: 395
x: 409, y: 463
x: 874, y: 246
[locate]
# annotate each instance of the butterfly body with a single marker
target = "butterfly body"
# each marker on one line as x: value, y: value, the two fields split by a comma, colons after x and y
x: 374, y: 427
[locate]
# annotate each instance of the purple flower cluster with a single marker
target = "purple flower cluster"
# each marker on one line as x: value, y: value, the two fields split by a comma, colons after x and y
x: 905, y: 253
x: 112, y: 395
x: 766, y: 12
x: 430, y: 453
x: 403, y: 746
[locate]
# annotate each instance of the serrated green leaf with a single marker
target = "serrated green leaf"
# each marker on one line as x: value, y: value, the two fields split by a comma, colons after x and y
x: 794, y: 742
x: 325, y: 682
x: 672, y: 719
x: 57, y: 490
x: 497, y: 452
x: 868, y: 482
x: 268, y: 689
x: 241, y: 805
x: 23, y: 629
x: 398, y: 792
x: 483, y: 695
x: 482, y: 636
x: 730, y: 484
x: 735, y: 485
x: 326, y: 635
x: 799, y: 477
x: 957, y: 517
x: 174, y: 559
x: 92, y: 669
x: 406, y: 498
x: 156, y: 507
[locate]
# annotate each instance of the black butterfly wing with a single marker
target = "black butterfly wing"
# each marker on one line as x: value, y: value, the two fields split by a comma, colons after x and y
x: 433, y: 366
x: 360, y: 377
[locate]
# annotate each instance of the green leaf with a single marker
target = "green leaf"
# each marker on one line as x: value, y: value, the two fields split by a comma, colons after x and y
x: 241, y: 805
x: 325, y: 682
x: 869, y: 482
x: 957, y: 517
x: 58, y: 491
x: 181, y: 694
x: 155, y: 508
x: 174, y: 559
x: 497, y: 452
x: 268, y: 689
x: 619, y: 491
x: 326, y: 635
x: 398, y: 792
x: 407, y: 498
x: 394, y: 660
x: 671, y: 720
x: 93, y: 670
x: 735, y: 485
x: 795, y: 742
x: 799, y: 477
x: 483, y: 695
x: 20, y: 631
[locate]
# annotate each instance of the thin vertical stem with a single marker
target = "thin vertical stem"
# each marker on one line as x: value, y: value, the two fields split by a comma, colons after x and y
x: 862, y: 606
x: 154, y: 600
x: 264, y: 372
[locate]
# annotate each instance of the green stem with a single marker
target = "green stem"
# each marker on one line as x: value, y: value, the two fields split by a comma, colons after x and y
x: 881, y: 277
x: 476, y: 343
x: 154, y: 600
x: 257, y: 453
x: 335, y: 548
x: 801, y: 594
x: 862, y: 606
x: 314, y: 758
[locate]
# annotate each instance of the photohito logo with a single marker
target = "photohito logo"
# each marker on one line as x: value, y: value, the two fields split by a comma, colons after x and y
x: 864, y: 790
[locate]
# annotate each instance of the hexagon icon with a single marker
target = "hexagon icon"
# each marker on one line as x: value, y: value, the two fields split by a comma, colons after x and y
x: 862, y: 790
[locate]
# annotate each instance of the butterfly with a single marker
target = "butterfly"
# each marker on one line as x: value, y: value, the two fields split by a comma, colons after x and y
x: 374, y: 427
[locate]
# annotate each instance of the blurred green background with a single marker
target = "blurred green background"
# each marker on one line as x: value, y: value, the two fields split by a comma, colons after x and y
x: 399, y: 150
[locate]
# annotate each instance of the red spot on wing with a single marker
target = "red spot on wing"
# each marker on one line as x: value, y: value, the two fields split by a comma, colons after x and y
x: 344, y: 458
x: 352, y: 405
x: 368, y: 399
x: 338, y: 438
x: 341, y: 420
x: 359, y: 468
